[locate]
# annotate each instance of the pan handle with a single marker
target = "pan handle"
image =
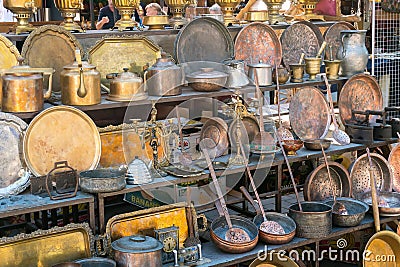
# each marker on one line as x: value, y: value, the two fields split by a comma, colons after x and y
x: 247, y: 195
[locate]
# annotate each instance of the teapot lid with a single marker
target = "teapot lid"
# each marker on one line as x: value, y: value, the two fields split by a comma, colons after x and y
x: 137, y: 244
x: 207, y: 73
x: 164, y: 61
x: 127, y: 76
x: 85, y: 66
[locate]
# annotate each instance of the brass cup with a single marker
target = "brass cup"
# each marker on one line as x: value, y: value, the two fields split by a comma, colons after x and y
x: 156, y: 22
x: 297, y: 72
x: 313, y: 67
x: 260, y: 16
x: 332, y: 69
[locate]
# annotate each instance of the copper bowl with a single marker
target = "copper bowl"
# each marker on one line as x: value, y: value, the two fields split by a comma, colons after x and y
x: 207, y: 80
x: 291, y: 146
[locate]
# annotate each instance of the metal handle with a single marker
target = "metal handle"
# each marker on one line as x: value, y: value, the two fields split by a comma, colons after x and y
x: 203, y: 219
x: 342, y: 42
x: 145, y: 80
x: 321, y: 49
x: 301, y: 58
x: 59, y: 165
x: 247, y: 195
x: 101, y: 245
x: 374, y: 196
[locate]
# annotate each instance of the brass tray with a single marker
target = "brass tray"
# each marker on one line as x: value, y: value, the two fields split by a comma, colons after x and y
x: 215, y: 129
x: 258, y: 42
x: 332, y: 37
x: 361, y: 92
x: 203, y: 39
x: 146, y: 221
x: 309, y: 114
x: 183, y: 171
x: 61, y: 133
x: 359, y: 175
x: 13, y: 175
x: 394, y: 163
x: 50, y: 46
x: 9, y: 54
x: 120, y: 144
x: 113, y: 53
x: 300, y: 37
x: 46, y: 248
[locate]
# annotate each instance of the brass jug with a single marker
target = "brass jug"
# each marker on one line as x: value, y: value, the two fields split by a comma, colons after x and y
x: 22, y: 88
x: 80, y: 83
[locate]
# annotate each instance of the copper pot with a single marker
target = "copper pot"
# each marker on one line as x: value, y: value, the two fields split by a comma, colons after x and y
x: 126, y: 86
x: 22, y: 88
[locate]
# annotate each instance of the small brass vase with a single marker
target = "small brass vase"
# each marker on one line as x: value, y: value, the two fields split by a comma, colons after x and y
x: 297, y: 72
x: 313, y: 67
x: 332, y: 69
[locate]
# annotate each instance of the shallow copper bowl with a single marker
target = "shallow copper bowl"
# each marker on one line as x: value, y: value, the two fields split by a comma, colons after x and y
x: 291, y: 146
x: 156, y: 22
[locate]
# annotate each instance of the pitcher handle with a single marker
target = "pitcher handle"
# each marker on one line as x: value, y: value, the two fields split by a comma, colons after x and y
x: 47, y: 94
x: 145, y: 80
x: 342, y: 42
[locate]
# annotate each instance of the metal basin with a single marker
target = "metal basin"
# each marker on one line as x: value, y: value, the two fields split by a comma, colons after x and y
x: 97, y: 262
x: 356, y: 212
x: 102, y: 180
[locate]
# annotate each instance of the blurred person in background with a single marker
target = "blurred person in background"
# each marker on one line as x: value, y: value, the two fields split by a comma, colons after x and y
x: 106, y: 16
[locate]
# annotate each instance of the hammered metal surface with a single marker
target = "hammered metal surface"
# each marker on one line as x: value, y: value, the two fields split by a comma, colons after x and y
x: 8, y: 53
x: 360, y: 175
x: 61, y: 133
x: 203, y: 39
x: 50, y: 46
x: 215, y: 129
x: 361, y: 92
x: 332, y: 37
x: 258, y: 42
x: 300, y: 37
x: 309, y: 114
x: 394, y: 162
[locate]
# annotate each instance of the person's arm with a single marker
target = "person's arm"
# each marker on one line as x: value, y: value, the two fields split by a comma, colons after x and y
x: 103, y: 19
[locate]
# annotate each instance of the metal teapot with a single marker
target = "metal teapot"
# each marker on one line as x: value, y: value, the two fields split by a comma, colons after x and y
x: 164, y: 78
x: 22, y: 88
x: 237, y: 77
x: 125, y: 86
x: 80, y: 83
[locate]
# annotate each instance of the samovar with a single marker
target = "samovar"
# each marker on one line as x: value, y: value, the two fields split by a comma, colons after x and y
x: 177, y: 7
x: 126, y: 9
x: 22, y: 10
x: 273, y: 11
x: 228, y: 7
x: 309, y: 6
x: 69, y: 9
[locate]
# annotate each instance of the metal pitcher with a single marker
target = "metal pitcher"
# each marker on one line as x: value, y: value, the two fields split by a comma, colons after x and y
x: 352, y: 52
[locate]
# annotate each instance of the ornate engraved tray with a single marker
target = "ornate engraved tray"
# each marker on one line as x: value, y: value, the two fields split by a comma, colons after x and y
x: 8, y: 53
x: 47, y: 247
x: 332, y: 37
x: 50, y: 46
x: 61, y: 133
x: 309, y: 114
x: 13, y: 175
x: 394, y: 162
x: 216, y: 130
x: 300, y: 37
x: 203, y: 39
x: 361, y: 92
x: 113, y: 53
x: 258, y: 42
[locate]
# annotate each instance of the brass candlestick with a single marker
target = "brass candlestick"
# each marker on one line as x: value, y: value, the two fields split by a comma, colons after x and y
x: 177, y: 8
x: 126, y: 8
x: 228, y: 7
x: 68, y: 9
x: 22, y: 10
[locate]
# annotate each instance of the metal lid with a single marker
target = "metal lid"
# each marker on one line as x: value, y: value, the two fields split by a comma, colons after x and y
x: 259, y: 5
x: 126, y: 76
x: 163, y: 62
x: 137, y: 244
x: 259, y: 65
x: 207, y: 73
x: 85, y: 66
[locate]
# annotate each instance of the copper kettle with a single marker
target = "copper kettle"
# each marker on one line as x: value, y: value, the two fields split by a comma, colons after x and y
x: 22, y: 88
x: 125, y: 86
x: 80, y: 83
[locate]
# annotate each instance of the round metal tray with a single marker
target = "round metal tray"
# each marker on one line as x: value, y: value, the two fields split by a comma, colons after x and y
x: 309, y: 114
x: 203, y: 39
x: 360, y: 176
x: 317, y: 186
x: 61, y: 133
x: 216, y: 130
x: 332, y: 37
x: 394, y: 162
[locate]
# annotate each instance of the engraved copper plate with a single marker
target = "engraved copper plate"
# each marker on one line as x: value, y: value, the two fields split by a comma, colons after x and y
x: 300, y: 37
x: 203, y: 39
x: 215, y: 129
x: 394, y: 163
x: 258, y: 42
x: 309, y: 114
x: 113, y: 53
x: 8, y: 53
x: 332, y: 37
x: 61, y: 133
x: 13, y: 177
x: 361, y: 92
x: 50, y: 46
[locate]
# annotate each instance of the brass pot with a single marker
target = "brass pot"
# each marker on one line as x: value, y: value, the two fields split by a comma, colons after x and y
x: 22, y: 88
x: 313, y: 67
x: 126, y: 86
x: 156, y: 22
x: 80, y: 86
x: 283, y: 75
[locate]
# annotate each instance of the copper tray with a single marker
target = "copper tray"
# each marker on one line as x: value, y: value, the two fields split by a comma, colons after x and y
x: 359, y: 175
x: 50, y: 46
x: 317, y: 187
x: 309, y: 114
x: 203, y: 39
x: 215, y: 129
x: 394, y: 163
x: 13, y: 176
x: 300, y: 37
x: 47, y: 247
x: 9, y: 54
x: 258, y: 42
x: 361, y: 92
x: 113, y: 53
x: 332, y: 37
x: 61, y: 133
